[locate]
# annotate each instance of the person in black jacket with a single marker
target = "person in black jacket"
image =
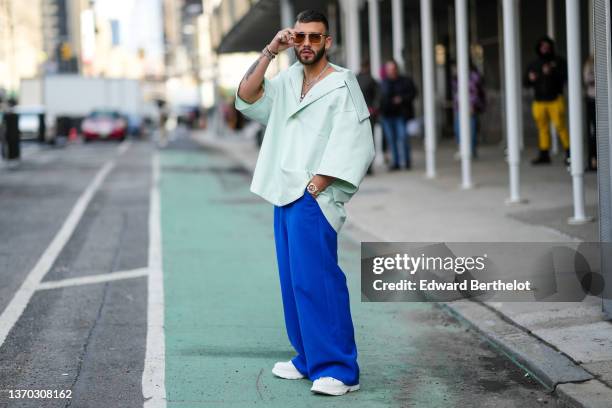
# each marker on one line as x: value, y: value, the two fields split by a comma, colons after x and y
x: 547, y: 76
x: 397, y: 107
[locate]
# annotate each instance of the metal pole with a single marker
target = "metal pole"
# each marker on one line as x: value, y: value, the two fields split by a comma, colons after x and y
x: 375, y: 65
x: 429, y: 107
x: 352, y: 34
x: 397, y: 23
x: 591, y: 39
x: 550, y: 31
x: 287, y: 20
x: 513, y: 101
x: 463, y: 72
x: 550, y: 18
x: 572, y: 10
x: 374, y: 30
x: 602, y: 37
x: 379, y: 159
x: 519, y: 83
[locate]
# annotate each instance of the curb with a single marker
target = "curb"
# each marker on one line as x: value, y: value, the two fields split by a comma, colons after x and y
x: 573, y: 386
x: 545, y: 364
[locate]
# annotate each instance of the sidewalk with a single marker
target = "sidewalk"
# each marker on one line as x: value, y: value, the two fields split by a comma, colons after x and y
x: 224, y: 325
x: 566, y: 346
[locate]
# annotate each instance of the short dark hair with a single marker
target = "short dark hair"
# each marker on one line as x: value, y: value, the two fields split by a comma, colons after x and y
x: 313, y: 16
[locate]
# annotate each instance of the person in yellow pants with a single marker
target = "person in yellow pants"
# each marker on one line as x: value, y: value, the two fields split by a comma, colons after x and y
x: 545, y: 112
x: 547, y: 76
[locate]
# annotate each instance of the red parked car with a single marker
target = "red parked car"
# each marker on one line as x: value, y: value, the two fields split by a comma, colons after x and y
x: 104, y: 125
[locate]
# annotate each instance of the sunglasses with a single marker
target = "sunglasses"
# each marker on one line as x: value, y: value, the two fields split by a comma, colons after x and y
x: 314, y: 38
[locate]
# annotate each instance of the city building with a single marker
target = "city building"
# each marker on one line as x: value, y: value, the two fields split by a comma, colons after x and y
x: 61, y: 27
x: 181, y: 21
x: 21, y: 42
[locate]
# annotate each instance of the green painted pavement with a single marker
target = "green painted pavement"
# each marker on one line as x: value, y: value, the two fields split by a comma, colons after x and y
x: 224, y: 325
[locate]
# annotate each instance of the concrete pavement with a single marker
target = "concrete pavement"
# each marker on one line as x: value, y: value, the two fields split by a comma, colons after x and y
x: 225, y: 328
x: 566, y: 346
x: 81, y: 253
x: 74, y: 335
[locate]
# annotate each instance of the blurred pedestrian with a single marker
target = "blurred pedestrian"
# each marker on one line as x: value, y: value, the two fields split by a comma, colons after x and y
x: 11, y: 149
x: 371, y: 93
x: 478, y: 104
x: 164, y: 114
x: 547, y: 76
x: 589, y: 83
x: 315, y: 152
x: 397, y: 107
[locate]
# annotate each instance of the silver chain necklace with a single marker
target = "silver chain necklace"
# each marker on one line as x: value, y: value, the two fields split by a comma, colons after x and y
x: 308, y: 83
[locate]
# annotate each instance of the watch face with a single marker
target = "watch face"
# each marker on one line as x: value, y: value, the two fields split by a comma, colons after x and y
x: 311, y: 188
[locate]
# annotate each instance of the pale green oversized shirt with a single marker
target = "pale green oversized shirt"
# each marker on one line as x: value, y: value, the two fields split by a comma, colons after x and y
x: 327, y: 133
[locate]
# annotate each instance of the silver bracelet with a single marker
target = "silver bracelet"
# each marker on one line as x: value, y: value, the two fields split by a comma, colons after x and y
x: 269, y: 54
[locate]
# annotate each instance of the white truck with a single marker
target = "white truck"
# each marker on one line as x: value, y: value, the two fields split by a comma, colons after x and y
x: 72, y: 97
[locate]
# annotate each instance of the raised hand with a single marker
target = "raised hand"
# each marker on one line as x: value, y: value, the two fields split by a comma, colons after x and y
x: 282, y: 40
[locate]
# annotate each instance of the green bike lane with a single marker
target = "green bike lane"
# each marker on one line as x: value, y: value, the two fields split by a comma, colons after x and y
x: 224, y: 326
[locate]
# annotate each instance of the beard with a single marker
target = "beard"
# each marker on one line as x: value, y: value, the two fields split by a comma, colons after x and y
x: 316, y: 58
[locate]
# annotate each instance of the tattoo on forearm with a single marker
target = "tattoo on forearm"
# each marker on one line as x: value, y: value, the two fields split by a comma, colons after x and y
x: 250, y: 71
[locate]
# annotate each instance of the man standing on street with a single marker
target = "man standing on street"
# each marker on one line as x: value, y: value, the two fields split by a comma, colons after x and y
x: 316, y: 150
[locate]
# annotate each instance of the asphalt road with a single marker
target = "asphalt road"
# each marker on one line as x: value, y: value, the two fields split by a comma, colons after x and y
x: 80, y: 298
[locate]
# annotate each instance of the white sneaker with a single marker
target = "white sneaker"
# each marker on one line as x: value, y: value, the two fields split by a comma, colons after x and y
x: 331, y: 386
x: 286, y: 370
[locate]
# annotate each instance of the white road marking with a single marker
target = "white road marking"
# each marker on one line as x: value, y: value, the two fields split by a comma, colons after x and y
x: 22, y: 297
x: 85, y: 280
x: 123, y: 146
x: 154, y: 373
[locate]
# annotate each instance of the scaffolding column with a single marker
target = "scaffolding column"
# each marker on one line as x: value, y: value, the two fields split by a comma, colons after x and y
x: 463, y: 73
x: 429, y: 97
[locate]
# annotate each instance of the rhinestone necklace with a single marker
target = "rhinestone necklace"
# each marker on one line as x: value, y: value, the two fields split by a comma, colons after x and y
x: 309, y: 83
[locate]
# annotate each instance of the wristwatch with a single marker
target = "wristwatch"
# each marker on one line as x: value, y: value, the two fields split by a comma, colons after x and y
x: 313, y: 189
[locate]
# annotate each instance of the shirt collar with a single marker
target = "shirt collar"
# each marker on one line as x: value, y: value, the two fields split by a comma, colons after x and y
x: 323, y: 87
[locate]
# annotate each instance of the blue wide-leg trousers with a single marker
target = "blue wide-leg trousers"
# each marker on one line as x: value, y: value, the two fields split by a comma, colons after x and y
x: 314, y: 292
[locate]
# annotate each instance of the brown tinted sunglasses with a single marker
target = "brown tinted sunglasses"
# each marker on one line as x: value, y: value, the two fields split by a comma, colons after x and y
x: 314, y: 38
